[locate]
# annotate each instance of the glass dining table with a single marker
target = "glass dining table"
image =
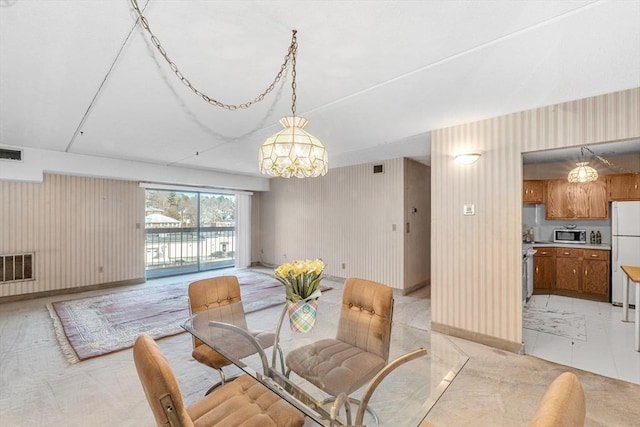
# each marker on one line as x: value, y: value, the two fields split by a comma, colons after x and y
x: 421, y: 365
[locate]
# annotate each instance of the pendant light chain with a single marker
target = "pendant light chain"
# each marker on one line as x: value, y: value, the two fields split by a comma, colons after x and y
x: 293, y: 50
x: 608, y: 163
x: 289, y: 57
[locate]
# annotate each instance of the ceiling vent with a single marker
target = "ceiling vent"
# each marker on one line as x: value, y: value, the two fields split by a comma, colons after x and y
x: 8, y: 154
x: 378, y: 168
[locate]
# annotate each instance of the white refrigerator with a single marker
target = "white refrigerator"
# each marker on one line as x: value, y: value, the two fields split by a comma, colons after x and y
x: 625, y: 245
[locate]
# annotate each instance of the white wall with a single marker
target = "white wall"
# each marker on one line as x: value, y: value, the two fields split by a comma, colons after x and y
x: 84, y: 231
x: 350, y: 216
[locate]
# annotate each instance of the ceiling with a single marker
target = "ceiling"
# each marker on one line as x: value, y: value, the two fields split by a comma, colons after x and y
x: 373, y: 78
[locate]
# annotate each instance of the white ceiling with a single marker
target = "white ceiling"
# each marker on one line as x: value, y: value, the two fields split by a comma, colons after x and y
x: 373, y: 77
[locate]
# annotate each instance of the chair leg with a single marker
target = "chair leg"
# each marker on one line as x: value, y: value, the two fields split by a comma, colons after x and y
x: 353, y: 400
x: 223, y: 380
x: 281, y: 359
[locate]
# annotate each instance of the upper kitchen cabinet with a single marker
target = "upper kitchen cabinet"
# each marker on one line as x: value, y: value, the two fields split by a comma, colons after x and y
x: 624, y: 187
x: 569, y: 200
x: 533, y: 191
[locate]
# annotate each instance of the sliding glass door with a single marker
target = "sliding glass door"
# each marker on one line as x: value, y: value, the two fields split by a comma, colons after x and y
x: 187, y: 232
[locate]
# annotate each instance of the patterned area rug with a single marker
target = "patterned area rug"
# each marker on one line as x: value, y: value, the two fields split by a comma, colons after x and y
x: 94, y: 326
x: 557, y: 322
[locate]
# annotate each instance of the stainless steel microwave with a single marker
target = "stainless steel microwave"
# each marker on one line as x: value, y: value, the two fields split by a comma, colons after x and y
x: 565, y: 235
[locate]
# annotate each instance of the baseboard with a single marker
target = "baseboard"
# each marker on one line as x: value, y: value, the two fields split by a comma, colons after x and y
x: 68, y: 291
x: 491, y: 341
x: 413, y: 288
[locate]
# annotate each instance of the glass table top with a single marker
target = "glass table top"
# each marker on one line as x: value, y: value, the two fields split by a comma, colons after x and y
x: 403, y: 398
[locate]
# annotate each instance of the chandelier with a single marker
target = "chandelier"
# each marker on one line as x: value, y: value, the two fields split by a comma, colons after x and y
x: 290, y: 152
x: 582, y: 172
x: 293, y: 151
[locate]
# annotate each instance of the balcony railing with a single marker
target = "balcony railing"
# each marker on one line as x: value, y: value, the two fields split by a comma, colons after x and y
x: 174, y: 250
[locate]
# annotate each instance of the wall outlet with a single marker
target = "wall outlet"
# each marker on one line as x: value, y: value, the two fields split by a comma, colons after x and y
x: 101, y: 269
x: 344, y: 265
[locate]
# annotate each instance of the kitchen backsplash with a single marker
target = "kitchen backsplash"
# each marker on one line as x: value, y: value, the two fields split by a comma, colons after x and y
x: 533, y: 216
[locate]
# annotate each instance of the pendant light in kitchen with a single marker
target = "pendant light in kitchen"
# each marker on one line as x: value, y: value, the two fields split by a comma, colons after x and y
x: 582, y: 172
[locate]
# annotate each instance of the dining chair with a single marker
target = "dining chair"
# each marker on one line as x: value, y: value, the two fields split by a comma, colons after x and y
x: 220, y: 295
x: 244, y: 402
x: 361, y: 347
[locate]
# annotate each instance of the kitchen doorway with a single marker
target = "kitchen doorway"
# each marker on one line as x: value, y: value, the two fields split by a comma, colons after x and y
x: 572, y: 331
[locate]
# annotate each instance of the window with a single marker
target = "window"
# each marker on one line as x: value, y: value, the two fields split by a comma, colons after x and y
x: 188, y: 232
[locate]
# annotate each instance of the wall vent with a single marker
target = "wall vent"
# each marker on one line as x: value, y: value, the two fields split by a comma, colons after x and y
x: 378, y: 168
x: 9, y: 154
x: 16, y: 267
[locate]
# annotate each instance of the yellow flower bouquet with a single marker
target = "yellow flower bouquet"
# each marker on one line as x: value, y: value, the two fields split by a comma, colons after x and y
x: 301, y: 279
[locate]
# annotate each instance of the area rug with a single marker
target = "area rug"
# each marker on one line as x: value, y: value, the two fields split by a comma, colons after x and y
x: 94, y: 326
x: 557, y: 322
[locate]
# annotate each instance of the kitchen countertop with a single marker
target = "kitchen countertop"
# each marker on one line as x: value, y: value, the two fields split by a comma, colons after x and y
x: 603, y: 246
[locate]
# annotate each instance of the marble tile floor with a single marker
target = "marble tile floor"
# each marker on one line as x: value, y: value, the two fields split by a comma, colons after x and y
x: 39, y: 387
x: 592, y: 338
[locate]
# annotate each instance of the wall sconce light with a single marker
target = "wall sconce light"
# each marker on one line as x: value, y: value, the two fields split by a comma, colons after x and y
x: 467, y: 159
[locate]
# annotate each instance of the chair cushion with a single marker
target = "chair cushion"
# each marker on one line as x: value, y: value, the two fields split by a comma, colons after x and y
x: 334, y: 366
x: 244, y: 402
x: 206, y: 355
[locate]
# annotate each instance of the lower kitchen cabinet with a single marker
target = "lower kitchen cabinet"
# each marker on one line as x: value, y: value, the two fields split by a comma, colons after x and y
x: 595, y: 279
x: 544, y: 270
x: 580, y: 273
x: 568, y: 269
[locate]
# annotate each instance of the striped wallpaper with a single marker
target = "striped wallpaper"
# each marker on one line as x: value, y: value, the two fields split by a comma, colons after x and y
x: 84, y: 231
x: 476, y: 271
x: 346, y: 217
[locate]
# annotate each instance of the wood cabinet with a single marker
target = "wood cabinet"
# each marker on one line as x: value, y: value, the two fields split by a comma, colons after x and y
x: 581, y: 273
x: 623, y: 187
x: 571, y: 200
x: 595, y: 267
x: 568, y: 269
x: 533, y: 191
x: 544, y: 270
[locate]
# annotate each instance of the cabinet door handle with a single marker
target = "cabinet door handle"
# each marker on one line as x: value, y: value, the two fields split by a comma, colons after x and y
x: 574, y: 271
x: 565, y: 253
x: 594, y: 255
x: 536, y: 269
x: 585, y: 272
x: 543, y: 253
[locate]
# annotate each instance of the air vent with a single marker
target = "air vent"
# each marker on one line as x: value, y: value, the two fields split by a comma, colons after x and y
x: 16, y: 267
x: 8, y: 154
x: 378, y: 168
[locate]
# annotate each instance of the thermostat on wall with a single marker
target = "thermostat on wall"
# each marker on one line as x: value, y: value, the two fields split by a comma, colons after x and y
x: 469, y: 209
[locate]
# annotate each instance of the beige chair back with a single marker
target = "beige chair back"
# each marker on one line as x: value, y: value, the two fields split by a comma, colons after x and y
x: 563, y: 404
x: 217, y: 292
x: 159, y: 384
x: 366, y: 315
